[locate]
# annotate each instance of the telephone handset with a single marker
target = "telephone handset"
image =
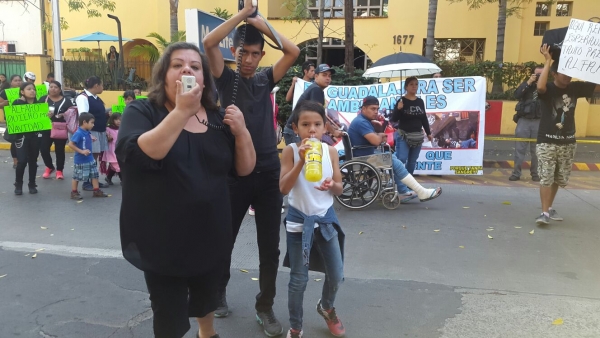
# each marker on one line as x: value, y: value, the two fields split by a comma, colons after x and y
x: 254, y: 4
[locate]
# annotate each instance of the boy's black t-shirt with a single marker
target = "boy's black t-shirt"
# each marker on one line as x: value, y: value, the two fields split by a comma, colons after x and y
x: 557, y: 125
x: 253, y: 99
x: 412, y: 117
x: 312, y: 93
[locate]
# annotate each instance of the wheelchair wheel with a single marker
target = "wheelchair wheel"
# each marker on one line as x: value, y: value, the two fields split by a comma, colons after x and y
x: 361, y: 185
x: 391, y: 200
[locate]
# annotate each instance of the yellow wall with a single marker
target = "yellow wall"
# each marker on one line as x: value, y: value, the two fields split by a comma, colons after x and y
x: 593, y: 121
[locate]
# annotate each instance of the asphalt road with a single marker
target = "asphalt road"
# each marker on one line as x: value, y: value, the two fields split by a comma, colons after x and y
x: 403, y: 277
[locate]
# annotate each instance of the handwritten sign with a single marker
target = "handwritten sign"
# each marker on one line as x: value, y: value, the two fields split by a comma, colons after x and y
x: 27, y: 118
x: 118, y: 108
x: 580, y: 54
x: 13, y: 94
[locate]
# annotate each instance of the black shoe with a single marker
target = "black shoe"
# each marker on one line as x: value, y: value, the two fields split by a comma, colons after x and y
x: 269, y: 322
x: 32, y: 188
x: 514, y: 178
x: 222, y: 310
x: 215, y: 336
x: 108, y: 180
x: 102, y: 185
x: 18, y: 188
x: 535, y: 178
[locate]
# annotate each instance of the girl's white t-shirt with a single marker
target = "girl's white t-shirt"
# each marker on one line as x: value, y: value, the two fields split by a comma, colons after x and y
x: 305, y: 197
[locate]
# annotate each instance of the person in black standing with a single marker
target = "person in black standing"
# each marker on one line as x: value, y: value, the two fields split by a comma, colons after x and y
x: 54, y: 99
x: 27, y: 144
x: 527, y: 119
x: 261, y: 188
x: 175, y: 151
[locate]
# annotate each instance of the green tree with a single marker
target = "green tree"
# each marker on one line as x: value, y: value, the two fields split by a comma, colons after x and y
x: 222, y: 13
x: 173, y: 17
x: 299, y: 12
x: 92, y: 8
x: 152, y: 53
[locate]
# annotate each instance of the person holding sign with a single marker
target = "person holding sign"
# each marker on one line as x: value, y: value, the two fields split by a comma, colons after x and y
x: 556, y: 142
x: 58, y: 106
x: 27, y: 144
x: 14, y: 82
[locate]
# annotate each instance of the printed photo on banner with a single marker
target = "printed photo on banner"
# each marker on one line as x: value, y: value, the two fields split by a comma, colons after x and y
x: 454, y: 107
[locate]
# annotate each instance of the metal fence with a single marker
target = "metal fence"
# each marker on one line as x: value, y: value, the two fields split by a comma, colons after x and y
x: 12, y: 64
x: 136, y: 74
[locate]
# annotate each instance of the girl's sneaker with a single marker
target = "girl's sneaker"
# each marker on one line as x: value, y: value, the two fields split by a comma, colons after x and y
x: 47, y: 173
x: 333, y: 321
x: 59, y: 175
x: 294, y: 334
x: 251, y: 211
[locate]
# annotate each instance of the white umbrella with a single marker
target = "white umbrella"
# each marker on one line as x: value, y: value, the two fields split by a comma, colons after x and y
x: 401, y: 65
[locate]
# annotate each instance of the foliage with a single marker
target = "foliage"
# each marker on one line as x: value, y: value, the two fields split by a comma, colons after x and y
x: 91, y: 7
x: 514, y: 9
x: 152, y: 53
x: 340, y: 78
x: 298, y: 10
x: 511, y: 74
x: 222, y: 13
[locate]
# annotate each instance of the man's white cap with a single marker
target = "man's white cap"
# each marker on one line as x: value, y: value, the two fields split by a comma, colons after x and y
x: 29, y: 75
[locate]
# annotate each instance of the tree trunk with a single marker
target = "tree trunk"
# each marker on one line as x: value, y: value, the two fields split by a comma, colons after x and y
x: 497, y: 86
x: 431, y: 18
x: 349, y: 39
x: 321, y: 29
x: 174, y: 24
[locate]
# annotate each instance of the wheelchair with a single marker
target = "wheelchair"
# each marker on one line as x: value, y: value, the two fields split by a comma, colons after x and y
x: 366, y: 179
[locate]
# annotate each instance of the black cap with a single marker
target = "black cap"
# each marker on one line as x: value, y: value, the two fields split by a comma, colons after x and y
x: 369, y: 101
x: 324, y: 68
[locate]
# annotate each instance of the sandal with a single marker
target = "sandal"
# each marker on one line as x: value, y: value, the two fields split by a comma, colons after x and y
x: 435, y: 194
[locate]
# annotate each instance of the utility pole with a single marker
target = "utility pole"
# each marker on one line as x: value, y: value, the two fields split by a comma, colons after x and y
x: 56, y: 42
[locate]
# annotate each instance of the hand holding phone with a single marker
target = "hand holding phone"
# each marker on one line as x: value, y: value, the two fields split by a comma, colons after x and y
x: 188, y: 82
x: 242, y: 5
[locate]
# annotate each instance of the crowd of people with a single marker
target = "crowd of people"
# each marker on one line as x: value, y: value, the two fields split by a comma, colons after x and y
x: 192, y: 161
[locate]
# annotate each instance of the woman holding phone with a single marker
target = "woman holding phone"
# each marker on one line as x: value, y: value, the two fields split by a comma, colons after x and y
x: 176, y: 153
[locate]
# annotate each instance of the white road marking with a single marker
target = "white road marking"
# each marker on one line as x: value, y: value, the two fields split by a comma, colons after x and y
x: 62, y: 250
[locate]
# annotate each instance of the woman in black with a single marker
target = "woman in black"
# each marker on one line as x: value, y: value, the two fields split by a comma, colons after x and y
x: 410, y: 114
x: 14, y: 82
x: 54, y: 99
x: 27, y: 144
x: 176, y: 153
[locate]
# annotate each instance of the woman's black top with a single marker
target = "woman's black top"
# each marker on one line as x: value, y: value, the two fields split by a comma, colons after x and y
x: 175, y: 215
x: 412, y: 117
x: 60, y: 107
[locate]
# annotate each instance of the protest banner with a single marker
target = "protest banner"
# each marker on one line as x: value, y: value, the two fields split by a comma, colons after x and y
x: 122, y: 100
x: 13, y: 94
x: 117, y: 108
x: 456, y: 114
x: 27, y: 118
x: 580, y: 54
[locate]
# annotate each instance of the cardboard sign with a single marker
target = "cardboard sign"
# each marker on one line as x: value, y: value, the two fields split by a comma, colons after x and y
x: 580, y: 54
x: 13, y: 94
x: 27, y: 118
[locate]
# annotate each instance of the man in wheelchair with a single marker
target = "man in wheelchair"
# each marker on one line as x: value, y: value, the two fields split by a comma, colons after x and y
x: 365, y: 140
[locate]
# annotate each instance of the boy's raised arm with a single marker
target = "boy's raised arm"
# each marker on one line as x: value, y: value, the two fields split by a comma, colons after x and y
x: 212, y: 40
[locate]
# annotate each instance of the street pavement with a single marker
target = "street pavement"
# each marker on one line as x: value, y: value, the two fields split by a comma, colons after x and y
x: 422, y: 270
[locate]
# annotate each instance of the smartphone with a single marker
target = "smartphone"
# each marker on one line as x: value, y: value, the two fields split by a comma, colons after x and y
x: 188, y: 82
x: 254, y: 4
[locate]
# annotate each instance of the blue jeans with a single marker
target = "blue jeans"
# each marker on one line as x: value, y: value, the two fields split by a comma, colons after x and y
x: 290, y: 136
x: 334, y: 276
x: 406, y: 154
x: 400, y: 173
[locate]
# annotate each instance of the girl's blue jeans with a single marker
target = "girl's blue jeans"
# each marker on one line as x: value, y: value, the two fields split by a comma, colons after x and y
x: 334, y: 273
x: 406, y: 154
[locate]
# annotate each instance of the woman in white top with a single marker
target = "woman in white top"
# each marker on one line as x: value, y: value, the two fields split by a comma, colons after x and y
x: 311, y: 222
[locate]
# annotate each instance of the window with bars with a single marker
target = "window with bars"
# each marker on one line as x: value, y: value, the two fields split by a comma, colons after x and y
x: 362, y: 8
x: 542, y: 9
x: 564, y: 8
x: 465, y: 50
x: 540, y: 28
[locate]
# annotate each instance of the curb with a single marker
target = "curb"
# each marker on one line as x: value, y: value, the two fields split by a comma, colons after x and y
x: 577, y: 166
x: 6, y: 146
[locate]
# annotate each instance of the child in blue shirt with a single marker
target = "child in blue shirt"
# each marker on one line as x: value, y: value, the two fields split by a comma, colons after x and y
x: 85, y: 167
